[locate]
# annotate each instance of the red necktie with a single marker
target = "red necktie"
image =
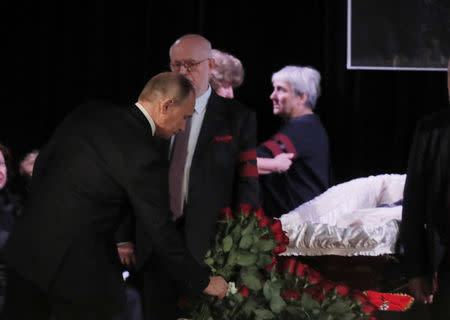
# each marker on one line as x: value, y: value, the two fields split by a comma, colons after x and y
x: 176, y: 171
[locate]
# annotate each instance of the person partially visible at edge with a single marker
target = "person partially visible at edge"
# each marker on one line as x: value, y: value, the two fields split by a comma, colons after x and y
x: 26, y: 167
x: 294, y: 164
x: 227, y: 73
x: 10, y: 208
x: 425, y: 227
x: 101, y: 159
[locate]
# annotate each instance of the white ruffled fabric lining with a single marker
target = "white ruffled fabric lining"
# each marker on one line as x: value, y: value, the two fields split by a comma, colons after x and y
x: 346, y: 220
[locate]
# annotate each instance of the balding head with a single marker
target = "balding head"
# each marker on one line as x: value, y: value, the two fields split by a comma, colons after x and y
x: 190, y: 55
x: 169, y: 99
x: 193, y: 40
x: 170, y: 85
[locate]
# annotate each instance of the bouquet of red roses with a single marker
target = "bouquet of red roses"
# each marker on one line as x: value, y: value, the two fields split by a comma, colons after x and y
x: 263, y: 285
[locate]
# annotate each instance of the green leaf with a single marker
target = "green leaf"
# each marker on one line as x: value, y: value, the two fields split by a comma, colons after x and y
x: 238, y: 297
x: 277, y: 304
x: 263, y: 314
x: 308, y: 302
x: 265, y: 245
x: 263, y: 260
x: 220, y: 260
x: 246, y: 258
x: 236, y: 232
x: 348, y: 316
x: 251, y: 279
x: 271, y: 289
x: 248, y: 230
x: 232, y: 258
x: 227, y: 243
x: 209, y: 261
x: 338, y: 306
x: 295, y: 310
x: 246, y: 242
x: 325, y: 316
x: 249, y: 306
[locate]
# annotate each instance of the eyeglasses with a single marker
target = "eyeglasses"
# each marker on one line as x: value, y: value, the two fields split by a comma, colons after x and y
x: 189, y: 66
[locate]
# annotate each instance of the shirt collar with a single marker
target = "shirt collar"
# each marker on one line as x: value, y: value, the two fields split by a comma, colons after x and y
x: 150, y: 120
x: 200, y: 102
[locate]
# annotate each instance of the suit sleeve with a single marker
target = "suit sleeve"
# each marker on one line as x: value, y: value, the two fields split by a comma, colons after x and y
x: 413, y: 235
x: 147, y: 191
x: 247, y: 188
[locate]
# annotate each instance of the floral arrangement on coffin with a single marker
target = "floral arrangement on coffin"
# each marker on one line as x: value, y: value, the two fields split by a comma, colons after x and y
x: 266, y: 286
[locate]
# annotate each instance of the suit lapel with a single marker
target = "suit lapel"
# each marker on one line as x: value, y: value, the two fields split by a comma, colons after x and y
x: 212, y: 124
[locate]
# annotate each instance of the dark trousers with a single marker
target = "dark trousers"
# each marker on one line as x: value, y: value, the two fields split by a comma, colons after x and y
x: 159, y: 294
x: 441, y: 302
x: 25, y: 301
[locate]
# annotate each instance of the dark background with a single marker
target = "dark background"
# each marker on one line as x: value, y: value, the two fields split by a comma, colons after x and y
x: 402, y: 33
x: 59, y: 54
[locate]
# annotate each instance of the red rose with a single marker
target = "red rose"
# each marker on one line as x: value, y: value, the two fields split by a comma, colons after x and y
x: 244, y: 291
x: 301, y: 270
x: 342, y: 290
x: 279, y: 238
x: 316, y: 293
x: 259, y: 213
x: 359, y: 296
x: 245, y: 208
x: 314, y: 276
x: 269, y: 267
x: 369, y: 308
x: 276, y: 227
x: 225, y: 214
x: 327, y: 285
x: 290, y: 294
x: 289, y: 265
x: 264, y: 222
x: 281, y: 248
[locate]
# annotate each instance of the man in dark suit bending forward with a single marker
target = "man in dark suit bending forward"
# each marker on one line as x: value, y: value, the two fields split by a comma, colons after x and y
x: 100, y: 160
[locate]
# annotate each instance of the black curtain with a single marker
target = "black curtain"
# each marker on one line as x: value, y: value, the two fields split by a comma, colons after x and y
x: 58, y: 55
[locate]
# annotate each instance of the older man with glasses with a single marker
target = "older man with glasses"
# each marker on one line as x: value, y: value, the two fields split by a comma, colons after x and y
x: 213, y: 166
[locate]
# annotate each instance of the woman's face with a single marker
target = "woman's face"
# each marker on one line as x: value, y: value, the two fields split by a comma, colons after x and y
x: 3, y: 171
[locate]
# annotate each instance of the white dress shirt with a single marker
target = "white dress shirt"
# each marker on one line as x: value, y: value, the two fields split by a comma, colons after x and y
x: 196, y: 125
x: 149, y: 119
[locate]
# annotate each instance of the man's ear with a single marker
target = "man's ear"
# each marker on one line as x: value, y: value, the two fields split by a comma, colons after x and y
x: 211, y: 64
x: 164, y: 105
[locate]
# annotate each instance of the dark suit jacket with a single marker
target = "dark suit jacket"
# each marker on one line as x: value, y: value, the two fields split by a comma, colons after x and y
x: 425, y: 222
x: 101, y: 159
x: 223, y: 172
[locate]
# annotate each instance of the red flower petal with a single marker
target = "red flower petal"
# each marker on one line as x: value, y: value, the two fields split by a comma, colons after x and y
x: 258, y: 212
x: 245, y: 208
x: 276, y: 227
x: 281, y: 248
x: 327, y: 285
x: 301, y: 270
x: 289, y: 265
x: 314, y: 276
x: 225, y: 214
x: 244, y: 291
x: 264, y: 222
x: 342, y: 290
